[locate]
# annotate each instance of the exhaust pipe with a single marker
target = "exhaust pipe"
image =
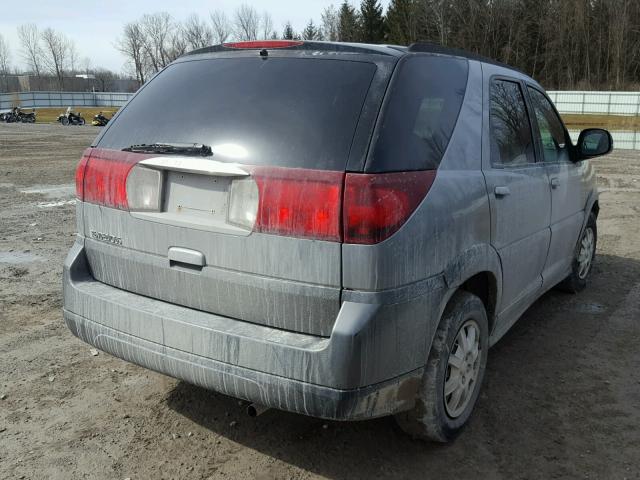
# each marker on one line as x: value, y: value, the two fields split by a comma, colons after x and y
x: 255, y: 409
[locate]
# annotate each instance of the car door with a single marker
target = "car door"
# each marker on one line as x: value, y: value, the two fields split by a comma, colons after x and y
x: 519, y: 196
x: 566, y: 178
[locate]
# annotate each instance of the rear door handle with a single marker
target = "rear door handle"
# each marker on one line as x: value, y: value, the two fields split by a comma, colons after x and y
x: 179, y: 256
x: 555, y: 182
x: 501, y: 191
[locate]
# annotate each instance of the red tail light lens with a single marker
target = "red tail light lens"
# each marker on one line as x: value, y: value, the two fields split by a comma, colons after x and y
x: 82, y: 164
x: 264, y: 44
x: 377, y: 205
x: 299, y: 203
x: 105, y: 177
x: 314, y: 204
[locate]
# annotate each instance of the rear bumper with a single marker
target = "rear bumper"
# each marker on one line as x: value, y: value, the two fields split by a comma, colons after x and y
x: 371, y: 365
x: 259, y: 387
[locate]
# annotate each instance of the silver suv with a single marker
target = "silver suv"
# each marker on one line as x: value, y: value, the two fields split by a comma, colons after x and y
x: 338, y: 230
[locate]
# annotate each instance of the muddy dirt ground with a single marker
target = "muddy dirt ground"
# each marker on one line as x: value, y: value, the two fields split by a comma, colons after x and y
x: 561, y: 399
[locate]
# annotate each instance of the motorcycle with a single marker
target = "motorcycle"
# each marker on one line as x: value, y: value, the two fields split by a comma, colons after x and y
x: 27, y: 117
x: 71, y: 119
x: 100, y: 120
x: 16, y: 115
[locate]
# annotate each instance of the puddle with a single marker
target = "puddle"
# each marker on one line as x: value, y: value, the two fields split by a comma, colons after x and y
x: 56, y: 204
x: 590, y: 308
x: 52, y: 191
x: 17, y: 258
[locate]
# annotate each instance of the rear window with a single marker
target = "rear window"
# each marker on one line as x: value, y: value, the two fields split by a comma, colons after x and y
x: 290, y: 112
x: 420, y: 114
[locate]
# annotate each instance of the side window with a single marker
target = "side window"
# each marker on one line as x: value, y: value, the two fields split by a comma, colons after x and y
x: 511, y: 141
x: 552, y: 133
x: 420, y: 114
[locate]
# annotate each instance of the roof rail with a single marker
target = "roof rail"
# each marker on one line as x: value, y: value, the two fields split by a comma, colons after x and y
x: 428, y: 47
x: 299, y: 45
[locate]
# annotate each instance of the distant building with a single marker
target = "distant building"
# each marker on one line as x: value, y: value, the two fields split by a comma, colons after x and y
x: 99, y: 83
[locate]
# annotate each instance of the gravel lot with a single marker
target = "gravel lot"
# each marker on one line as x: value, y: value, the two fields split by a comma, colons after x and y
x: 561, y: 398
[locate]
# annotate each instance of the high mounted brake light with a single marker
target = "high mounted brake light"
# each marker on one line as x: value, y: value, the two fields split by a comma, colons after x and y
x: 257, y: 44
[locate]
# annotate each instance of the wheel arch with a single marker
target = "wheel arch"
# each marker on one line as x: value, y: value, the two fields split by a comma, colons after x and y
x: 478, y: 271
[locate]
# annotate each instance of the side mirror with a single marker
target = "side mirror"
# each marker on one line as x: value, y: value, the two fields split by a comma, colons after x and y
x: 594, y: 142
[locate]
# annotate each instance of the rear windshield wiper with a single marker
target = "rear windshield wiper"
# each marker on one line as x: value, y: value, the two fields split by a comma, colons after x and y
x: 168, y: 148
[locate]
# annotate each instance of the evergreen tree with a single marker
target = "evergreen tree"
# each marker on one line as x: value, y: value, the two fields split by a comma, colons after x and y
x: 348, y: 23
x: 311, y: 32
x: 402, y: 22
x: 371, y: 22
x: 288, y: 33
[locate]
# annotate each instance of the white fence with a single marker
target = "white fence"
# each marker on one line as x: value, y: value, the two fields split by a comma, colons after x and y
x: 599, y: 103
x: 606, y: 103
x: 63, y: 99
x: 623, y: 140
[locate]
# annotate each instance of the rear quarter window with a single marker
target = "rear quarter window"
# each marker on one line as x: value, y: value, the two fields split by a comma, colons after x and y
x: 289, y: 112
x: 420, y: 113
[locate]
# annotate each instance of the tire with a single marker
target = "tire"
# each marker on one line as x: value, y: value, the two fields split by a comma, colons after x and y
x: 64, y: 121
x: 436, y: 416
x: 81, y: 121
x: 583, y: 258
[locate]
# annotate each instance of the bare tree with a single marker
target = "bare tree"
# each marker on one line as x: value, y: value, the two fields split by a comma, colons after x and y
x: 5, y: 56
x: 56, y: 53
x: 177, y: 44
x: 86, y: 65
x: 221, y: 26
x: 266, y: 25
x: 330, y: 23
x: 196, y: 33
x: 31, y: 50
x: 246, y: 23
x: 74, y: 61
x: 5, y: 59
x: 158, y: 29
x: 132, y: 46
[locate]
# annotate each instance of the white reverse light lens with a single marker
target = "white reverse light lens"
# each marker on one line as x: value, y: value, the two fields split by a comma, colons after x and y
x: 144, y: 187
x: 243, y: 203
x: 230, y: 150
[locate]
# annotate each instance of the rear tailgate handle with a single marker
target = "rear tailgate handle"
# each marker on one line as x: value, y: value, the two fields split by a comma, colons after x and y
x: 202, y: 166
x: 502, y: 191
x: 555, y: 182
x: 179, y: 256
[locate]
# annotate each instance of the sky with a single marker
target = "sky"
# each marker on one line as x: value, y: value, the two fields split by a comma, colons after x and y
x: 95, y: 25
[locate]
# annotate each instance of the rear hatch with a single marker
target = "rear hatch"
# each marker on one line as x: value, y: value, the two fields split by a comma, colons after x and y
x: 246, y: 223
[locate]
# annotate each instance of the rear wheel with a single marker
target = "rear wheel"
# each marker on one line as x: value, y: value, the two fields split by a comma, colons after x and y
x: 453, y: 374
x: 583, y: 258
x: 64, y: 121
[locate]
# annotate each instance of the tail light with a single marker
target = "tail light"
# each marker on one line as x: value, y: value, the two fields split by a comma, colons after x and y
x: 298, y: 202
x: 101, y: 177
x: 80, y: 174
x: 333, y: 206
x: 315, y: 204
x: 377, y: 205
